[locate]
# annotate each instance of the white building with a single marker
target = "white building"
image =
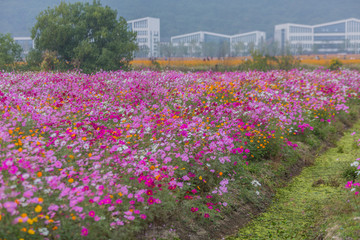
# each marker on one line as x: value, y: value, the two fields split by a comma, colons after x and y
x: 199, y: 37
x: 295, y: 37
x: 148, y: 36
x: 255, y: 39
x: 331, y: 37
x: 26, y: 43
x: 215, y: 44
x: 203, y: 44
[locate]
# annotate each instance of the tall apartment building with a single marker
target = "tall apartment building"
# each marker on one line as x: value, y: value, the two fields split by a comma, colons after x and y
x: 148, y: 36
x: 331, y: 37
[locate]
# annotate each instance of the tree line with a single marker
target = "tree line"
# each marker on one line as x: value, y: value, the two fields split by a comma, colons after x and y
x: 75, y: 35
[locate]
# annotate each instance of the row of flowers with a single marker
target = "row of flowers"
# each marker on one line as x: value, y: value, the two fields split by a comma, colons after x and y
x: 100, y: 152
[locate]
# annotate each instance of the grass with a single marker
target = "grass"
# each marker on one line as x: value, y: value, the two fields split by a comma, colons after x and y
x: 315, y: 204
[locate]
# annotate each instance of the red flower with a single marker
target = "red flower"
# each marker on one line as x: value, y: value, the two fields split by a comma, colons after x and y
x: 194, y: 209
x: 150, y: 200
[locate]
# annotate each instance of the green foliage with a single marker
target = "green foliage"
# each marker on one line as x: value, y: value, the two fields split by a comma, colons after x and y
x: 34, y: 58
x: 268, y: 63
x: 335, y: 64
x: 10, y: 51
x: 287, y: 62
x: 156, y: 64
x: 49, y: 61
x: 86, y: 34
x: 350, y: 173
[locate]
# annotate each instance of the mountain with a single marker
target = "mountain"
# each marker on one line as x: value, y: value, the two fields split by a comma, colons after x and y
x: 184, y: 16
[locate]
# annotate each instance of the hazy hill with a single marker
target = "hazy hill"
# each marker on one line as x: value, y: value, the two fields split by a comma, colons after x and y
x: 184, y: 16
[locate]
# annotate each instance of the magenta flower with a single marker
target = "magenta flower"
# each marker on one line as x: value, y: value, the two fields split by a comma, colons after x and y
x: 151, y: 200
x: 206, y: 215
x: 92, y: 214
x: 143, y: 216
x: 193, y: 209
x: 84, y: 231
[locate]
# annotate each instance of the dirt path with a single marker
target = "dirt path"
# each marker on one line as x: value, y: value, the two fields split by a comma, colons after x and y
x: 302, y: 209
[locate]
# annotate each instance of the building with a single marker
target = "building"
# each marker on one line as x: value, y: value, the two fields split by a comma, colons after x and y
x: 296, y: 38
x: 332, y: 37
x: 242, y: 43
x: 148, y: 36
x: 218, y: 45
x: 202, y: 44
x: 199, y: 37
x: 26, y: 43
x: 339, y: 36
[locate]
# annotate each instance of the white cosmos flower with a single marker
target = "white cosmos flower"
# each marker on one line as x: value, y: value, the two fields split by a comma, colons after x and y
x: 44, y: 231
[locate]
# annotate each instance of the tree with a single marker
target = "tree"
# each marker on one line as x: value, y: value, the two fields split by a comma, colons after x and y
x: 89, y: 34
x: 167, y: 50
x: 10, y: 51
x: 142, y: 52
x: 239, y: 49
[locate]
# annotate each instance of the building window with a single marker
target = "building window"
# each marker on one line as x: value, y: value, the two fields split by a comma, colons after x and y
x: 142, y: 40
x: 141, y: 24
x: 329, y: 38
x: 334, y: 28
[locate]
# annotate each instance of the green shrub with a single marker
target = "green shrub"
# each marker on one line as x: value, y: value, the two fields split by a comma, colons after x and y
x: 335, y: 64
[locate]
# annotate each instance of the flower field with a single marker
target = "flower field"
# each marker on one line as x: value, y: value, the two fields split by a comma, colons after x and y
x: 92, y: 156
x: 235, y: 61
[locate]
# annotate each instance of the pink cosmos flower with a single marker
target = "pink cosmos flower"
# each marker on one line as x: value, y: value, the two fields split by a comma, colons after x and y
x: 84, y: 231
x: 193, y: 209
x: 28, y: 194
x: 150, y: 200
x: 92, y: 214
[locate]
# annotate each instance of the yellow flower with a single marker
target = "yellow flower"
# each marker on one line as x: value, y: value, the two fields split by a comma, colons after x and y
x: 29, y: 221
x: 32, y: 232
x: 38, y: 208
x: 71, y: 180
